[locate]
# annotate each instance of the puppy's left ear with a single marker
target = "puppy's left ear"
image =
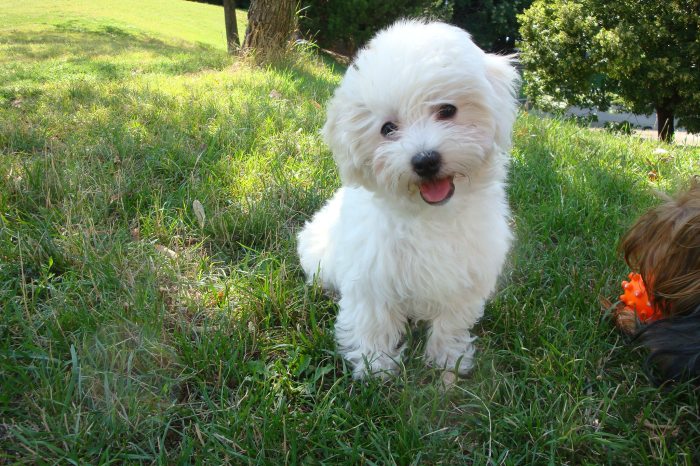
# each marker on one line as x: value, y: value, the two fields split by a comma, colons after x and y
x: 505, y: 80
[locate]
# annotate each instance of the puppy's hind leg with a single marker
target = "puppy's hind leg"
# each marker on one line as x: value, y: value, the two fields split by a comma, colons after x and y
x: 368, y: 334
x: 316, y: 244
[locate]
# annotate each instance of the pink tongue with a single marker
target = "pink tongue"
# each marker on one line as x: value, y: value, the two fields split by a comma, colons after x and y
x: 436, y: 190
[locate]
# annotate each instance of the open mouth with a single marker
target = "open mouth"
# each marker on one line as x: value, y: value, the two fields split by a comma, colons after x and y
x: 438, y: 191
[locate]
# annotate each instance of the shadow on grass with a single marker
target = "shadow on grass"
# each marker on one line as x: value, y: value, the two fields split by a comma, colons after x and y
x: 574, y: 194
x: 572, y: 200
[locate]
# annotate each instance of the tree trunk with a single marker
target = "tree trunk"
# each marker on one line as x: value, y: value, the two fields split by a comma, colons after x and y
x: 231, y: 26
x: 271, y: 24
x: 664, y: 123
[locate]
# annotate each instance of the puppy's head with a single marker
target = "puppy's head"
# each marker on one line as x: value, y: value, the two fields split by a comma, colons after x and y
x: 422, y: 113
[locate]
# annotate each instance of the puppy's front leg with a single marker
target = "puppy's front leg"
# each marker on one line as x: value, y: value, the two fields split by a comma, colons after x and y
x: 450, y: 345
x: 368, y: 332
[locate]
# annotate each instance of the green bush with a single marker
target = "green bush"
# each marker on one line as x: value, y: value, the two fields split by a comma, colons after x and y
x: 642, y: 56
x: 345, y: 25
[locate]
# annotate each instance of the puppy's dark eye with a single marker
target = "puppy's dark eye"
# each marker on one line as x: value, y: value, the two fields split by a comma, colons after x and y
x: 446, y: 112
x: 388, y: 128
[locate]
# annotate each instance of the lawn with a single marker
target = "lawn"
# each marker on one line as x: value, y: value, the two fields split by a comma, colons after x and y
x: 154, y: 311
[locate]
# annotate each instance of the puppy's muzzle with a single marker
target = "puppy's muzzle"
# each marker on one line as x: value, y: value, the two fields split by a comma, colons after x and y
x: 427, y: 164
x: 433, y: 190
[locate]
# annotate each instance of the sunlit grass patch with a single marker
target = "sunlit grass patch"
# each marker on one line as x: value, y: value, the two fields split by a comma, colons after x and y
x: 170, y: 20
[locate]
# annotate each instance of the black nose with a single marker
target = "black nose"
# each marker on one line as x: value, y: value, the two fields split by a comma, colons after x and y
x: 427, y: 163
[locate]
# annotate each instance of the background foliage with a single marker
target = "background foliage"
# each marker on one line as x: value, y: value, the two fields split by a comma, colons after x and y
x: 346, y: 25
x: 643, y: 55
x: 493, y: 24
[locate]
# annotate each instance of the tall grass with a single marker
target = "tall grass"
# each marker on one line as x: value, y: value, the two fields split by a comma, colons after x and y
x: 154, y: 310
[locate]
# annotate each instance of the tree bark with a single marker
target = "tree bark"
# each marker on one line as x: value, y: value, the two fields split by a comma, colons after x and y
x: 271, y: 24
x: 664, y: 123
x: 232, y: 43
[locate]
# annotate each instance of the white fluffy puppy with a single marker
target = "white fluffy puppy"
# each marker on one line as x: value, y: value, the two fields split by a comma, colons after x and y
x: 420, y: 129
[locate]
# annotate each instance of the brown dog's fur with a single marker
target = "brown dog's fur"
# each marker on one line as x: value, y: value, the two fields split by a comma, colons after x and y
x: 664, y: 247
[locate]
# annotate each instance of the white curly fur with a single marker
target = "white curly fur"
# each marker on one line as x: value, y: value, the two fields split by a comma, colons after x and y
x: 391, y: 255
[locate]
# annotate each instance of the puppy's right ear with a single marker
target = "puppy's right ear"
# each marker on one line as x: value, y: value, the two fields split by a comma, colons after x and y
x: 337, y: 133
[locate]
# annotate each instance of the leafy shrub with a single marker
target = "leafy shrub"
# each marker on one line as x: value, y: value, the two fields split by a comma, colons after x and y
x: 642, y: 55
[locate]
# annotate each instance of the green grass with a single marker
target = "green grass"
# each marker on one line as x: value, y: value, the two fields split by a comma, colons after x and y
x: 134, y: 330
x: 176, y: 20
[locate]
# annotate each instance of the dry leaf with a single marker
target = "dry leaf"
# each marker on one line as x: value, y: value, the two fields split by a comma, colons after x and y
x: 448, y: 379
x: 166, y: 251
x: 199, y: 212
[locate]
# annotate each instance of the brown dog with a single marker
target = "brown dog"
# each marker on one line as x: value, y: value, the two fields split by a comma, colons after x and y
x: 664, y: 247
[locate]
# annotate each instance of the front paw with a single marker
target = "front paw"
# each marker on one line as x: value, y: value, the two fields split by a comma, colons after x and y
x: 379, y: 365
x: 452, y: 358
